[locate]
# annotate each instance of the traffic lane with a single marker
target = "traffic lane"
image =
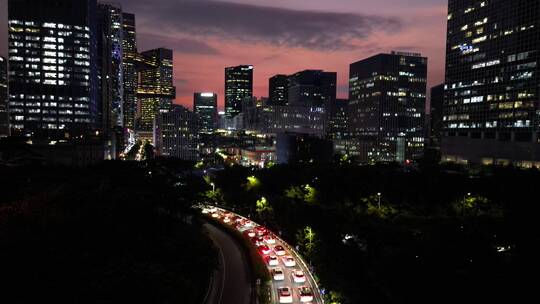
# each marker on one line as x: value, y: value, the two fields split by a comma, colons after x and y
x: 317, y: 298
x: 234, y: 281
x: 289, y: 281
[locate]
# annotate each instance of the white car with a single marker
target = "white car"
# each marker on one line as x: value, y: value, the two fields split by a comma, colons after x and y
x: 279, y: 250
x: 298, y: 276
x: 285, y: 295
x: 268, y: 239
x: 288, y: 261
x: 215, y: 215
x: 227, y: 220
x: 305, y: 294
x: 273, y: 260
x: 248, y: 224
x: 278, y: 274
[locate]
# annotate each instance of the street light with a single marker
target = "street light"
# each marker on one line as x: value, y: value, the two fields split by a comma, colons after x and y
x: 379, y: 195
x: 213, y: 187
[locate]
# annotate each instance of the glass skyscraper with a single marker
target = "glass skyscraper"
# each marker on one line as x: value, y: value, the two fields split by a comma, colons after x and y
x: 156, y: 91
x: 52, y: 68
x: 129, y: 48
x: 491, y: 107
x: 205, y: 106
x: 387, y: 100
x: 238, y: 85
x: 4, y: 115
x: 278, y: 90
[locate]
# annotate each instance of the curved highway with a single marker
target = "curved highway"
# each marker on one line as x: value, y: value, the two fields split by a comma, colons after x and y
x: 246, y: 226
x: 232, y: 281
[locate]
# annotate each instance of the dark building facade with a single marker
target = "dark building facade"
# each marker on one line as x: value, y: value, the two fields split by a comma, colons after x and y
x: 491, y: 106
x: 387, y: 100
x: 278, y: 90
x: 129, y: 53
x: 176, y: 133
x: 337, y: 124
x: 52, y: 68
x: 205, y: 106
x: 313, y: 88
x: 4, y: 114
x: 435, y: 119
x: 111, y: 76
x: 238, y: 85
x: 302, y: 148
x: 155, y: 90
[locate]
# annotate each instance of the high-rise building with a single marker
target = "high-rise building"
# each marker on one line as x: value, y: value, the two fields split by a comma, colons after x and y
x: 491, y: 107
x: 313, y: 88
x: 337, y: 124
x: 129, y: 53
x: 387, y: 100
x: 111, y: 76
x: 176, y: 133
x: 205, y: 106
x: 52, y: 68
x: 238, y: 85
x: 278, y: 90
x: 155, y: 92
x: 435, y: 120
x: 4, y: 115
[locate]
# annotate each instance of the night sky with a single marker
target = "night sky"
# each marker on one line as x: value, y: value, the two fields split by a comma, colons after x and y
x: 281, y: 36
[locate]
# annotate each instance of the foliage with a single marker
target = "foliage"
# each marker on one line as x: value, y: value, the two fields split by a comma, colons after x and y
x: 108, y: 234
x: 307, y: 241
x: 252, y: 183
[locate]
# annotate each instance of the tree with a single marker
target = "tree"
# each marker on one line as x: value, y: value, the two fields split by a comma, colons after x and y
x: 307, y: 241
x: 475, y: 205
x: 252, y: 183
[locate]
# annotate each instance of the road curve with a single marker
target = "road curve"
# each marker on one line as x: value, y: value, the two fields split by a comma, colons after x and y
x: 288, y: 281
x: 232, y: 281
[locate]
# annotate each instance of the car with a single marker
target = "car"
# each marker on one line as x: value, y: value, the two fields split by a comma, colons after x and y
x: 248, y: 224
x: 278, y: 274
x: 285, y: 295
x: 288, y: 261
x: 264, y: 249
x: 268, y: 239
x: 273, y: 260
x: 238, y: 226
x: 298, y: 276
x: 279, y: 250
x: 257, y: 241
x: 227, y: 220
x: 215, y: 215
x: 305, y: 294
x: 250, y: 233
x: 261, y: 230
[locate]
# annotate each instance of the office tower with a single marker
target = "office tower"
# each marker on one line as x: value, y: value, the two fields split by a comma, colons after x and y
x: 337, y: 124
x: 4, y: 115
x: 238, y: 84
x: 52, y: 68
x: 176, y: 133
x: 278, y: 90
x: 129, y: 52
x: 155, y: 92
x: 294, y: 148
x: 313, y: 88
x: 111, y: 76
x: 205, y: 106
x: 435, y: 121
x: 387, y: 99
x: 491, y: 107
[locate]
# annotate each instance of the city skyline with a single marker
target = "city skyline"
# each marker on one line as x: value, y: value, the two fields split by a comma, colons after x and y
x: 351, y: 31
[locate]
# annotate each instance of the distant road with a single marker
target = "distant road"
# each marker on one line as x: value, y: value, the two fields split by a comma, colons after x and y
x: 232, y: 281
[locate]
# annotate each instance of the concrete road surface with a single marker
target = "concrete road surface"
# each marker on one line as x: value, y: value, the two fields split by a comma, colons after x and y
x: 232, y: 281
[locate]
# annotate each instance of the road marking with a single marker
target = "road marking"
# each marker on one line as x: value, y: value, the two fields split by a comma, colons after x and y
x: 224, y: 275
